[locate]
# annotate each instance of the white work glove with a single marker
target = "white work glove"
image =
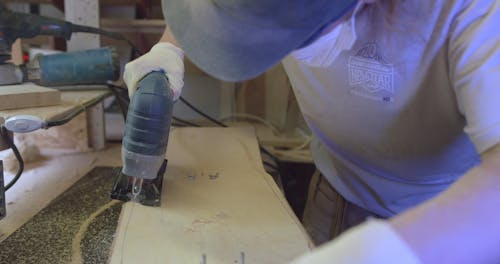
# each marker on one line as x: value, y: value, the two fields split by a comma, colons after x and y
x: 373, y: 242
x: 164, y: 57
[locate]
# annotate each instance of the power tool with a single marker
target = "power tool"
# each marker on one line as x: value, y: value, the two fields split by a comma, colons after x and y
x: 145, y: 141
x: 93, y: 66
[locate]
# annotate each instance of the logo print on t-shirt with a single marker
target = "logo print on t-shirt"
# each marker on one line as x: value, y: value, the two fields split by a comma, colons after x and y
x: 370, y: 75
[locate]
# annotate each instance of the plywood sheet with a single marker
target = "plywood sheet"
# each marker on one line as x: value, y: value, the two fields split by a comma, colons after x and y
x: 218, y: 205
x: 27, y: 95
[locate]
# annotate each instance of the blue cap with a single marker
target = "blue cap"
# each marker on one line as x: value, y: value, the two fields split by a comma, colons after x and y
x: 236, y: 40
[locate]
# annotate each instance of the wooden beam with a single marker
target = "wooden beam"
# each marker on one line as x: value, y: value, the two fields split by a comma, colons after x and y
x: 83, y: 12
x: 218, y: 204
x: 86, y: 12
x: 96, y: 127
x: 277, y: 96
x: 3, y: 144
x: 17, y: 52
x: 134, y: 25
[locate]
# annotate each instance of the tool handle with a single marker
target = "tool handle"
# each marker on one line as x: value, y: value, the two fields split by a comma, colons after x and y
x: 147, y: 126
x: 15, y: 25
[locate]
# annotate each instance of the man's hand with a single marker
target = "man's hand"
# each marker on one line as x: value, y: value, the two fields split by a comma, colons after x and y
x: 165, y: 57
x: 372, y: 242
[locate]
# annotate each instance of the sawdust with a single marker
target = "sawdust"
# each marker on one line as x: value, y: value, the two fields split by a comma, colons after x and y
x: 76, y: 251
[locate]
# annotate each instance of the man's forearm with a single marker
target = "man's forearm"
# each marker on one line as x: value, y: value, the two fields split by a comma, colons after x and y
x: 167, y: 36
x: 461, y: 225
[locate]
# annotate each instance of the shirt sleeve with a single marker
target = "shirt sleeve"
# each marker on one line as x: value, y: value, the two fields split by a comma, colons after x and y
x: 372, y: 242
x: 474, y: 60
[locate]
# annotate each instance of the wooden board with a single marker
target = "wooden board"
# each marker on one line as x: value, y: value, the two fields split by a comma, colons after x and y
x: 27, y: 95
x: 134, y: 25
x: 70, y: 100
x: 218, y: 204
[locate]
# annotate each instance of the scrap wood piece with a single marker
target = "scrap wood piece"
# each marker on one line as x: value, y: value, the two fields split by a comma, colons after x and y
x: 240, y: 210
x: 27, y: 95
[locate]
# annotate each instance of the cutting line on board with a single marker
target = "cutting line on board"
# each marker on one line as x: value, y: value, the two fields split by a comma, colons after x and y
x: 76, y: 251
x: 125, y: 232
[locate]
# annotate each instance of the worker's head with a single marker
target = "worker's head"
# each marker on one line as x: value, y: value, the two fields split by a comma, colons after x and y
x: 239, y: 39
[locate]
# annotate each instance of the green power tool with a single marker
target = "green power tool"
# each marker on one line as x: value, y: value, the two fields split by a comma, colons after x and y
x: 94, y: 66
x: 145, y: 142
x: 82, y: 67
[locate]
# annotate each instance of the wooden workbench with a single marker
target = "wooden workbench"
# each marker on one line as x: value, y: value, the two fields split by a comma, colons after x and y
x: 70, y: 101
x: 88, y: 130
x: 49, y: 175
x: 218, y: 203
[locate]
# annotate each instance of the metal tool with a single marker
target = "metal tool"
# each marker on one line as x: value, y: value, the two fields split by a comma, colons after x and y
x: 145, y: 141
x: 95, y: 66
x: 83, y: 67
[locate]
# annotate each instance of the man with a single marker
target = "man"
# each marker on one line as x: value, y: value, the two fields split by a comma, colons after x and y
x: 403, y: 100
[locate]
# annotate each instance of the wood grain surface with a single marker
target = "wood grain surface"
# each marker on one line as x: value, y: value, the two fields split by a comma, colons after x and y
x: 218, y: 206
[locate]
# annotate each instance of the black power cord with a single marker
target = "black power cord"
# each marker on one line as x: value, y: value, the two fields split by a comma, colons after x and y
x: 66, y: 119
x: 270, y: 165
x: 178, y: 124
x: 73, y: 114
x: 121, y: 94
x: 123, y: 101
x: 215, y: 121
x: 184, y: 122
x: 10, y: 142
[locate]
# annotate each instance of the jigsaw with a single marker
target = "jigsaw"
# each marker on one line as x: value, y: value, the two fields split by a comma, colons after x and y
x: 145, y: 142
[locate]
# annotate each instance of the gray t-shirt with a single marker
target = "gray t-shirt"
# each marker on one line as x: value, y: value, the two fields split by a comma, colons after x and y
x: 406, y: 111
